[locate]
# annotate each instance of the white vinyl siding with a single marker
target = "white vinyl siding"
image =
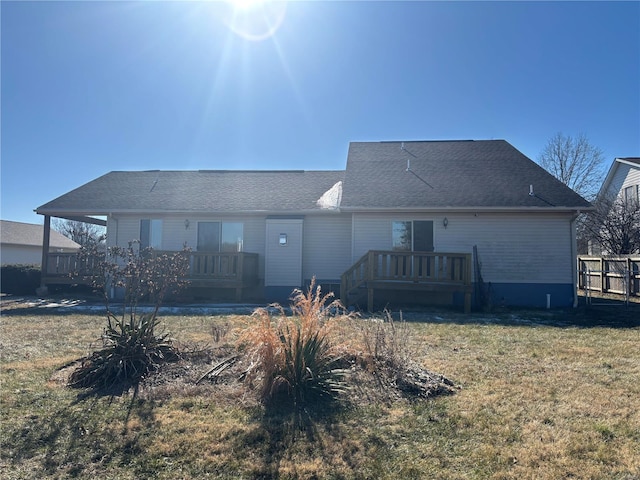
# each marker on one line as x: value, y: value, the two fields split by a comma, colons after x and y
x: 122, y: 230
x: 174, y: 233
x: 512, y: 248
x: 631, y: 184
x: 625, y: 176
x: 21, y: 255
x: 516, y: 249
x: 327, y: 246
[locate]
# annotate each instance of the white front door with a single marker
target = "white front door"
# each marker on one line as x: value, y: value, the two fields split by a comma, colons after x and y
x: 283, y: 253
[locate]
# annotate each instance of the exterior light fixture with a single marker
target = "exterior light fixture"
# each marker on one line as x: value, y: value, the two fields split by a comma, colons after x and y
x: 283, y: 239
x: 445, y: 222
x: 186, y: 224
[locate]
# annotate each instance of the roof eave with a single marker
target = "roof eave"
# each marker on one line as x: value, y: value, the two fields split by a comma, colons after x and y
x: 468, y: 209
x: 115, y: 212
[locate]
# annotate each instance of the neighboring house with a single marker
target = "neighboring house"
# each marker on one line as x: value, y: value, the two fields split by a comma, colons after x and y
x: 22, y: 243
x: 397, y: 211
x: 623, y: 179
x: 623, y: 183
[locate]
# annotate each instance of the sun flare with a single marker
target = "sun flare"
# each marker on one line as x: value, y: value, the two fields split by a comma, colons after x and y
x: 245, y: 4
x: 256, y: 19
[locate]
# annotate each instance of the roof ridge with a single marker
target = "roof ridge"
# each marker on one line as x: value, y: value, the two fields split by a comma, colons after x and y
x: 439, y: 141
x: 25, y: 223
x: 229, y: 171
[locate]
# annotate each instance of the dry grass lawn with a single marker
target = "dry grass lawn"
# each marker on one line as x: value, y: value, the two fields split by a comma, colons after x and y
x: 536, y: 401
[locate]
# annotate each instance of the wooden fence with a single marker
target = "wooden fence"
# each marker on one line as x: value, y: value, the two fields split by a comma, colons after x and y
x: 616, y: 275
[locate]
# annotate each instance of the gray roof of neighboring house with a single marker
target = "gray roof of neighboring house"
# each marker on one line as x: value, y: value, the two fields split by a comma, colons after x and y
x: 30, y: 234
x: 198, y: 191
x: 449, y: 174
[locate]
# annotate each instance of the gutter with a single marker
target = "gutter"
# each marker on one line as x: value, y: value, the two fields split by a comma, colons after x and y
x: 164, y: 213
x: 469, y: 209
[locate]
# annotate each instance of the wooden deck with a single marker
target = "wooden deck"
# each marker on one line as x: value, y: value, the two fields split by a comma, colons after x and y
x: 214, y: 270
x: 416, y: 271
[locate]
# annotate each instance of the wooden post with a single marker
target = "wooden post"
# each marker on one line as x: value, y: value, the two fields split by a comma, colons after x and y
x: 467, y: 283
x: 370, y: 266
x: 240, y: 268
x: 46, y: 241
x: 371, y: 259
x: 628, y: 280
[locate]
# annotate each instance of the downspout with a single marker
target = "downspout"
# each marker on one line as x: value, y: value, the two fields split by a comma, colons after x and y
x: 574, y: 257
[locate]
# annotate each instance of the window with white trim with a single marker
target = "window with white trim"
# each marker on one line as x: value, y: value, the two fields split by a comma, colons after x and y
x: 412, y: 235
x: 151, y: 233
x: 631, y: 195
x: 220, y: 237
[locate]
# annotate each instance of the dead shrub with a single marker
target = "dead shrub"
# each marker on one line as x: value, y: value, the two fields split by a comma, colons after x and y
x: 294, y: 356
x: 386, y: 344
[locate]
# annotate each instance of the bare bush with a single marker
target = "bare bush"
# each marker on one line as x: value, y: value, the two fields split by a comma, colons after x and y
x: 294, y: 356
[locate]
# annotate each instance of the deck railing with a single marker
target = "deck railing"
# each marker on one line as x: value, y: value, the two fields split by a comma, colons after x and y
x: 70, y: 268
x: 206, y: 268
x: 377, y: 268
x: 239, y: 267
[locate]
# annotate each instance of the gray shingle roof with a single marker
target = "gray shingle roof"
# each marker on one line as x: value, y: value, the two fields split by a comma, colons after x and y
x: 18, y: 233
x: 444, y: 174
x: 459, y: 174
x: 198, y: 191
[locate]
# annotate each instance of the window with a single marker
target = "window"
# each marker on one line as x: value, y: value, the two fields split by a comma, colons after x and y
x: 151, y: 233
x: 402, y: 235
x: 220, y: 237
x: 208, y: 237
x: 631, y: 195
x: 231, y: 237
x: 416, y: 235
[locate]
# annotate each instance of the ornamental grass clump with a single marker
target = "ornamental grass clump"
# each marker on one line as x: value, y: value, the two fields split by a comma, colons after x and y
x: 131, y: 350
x: 294, y: 357
x: 132, y: 346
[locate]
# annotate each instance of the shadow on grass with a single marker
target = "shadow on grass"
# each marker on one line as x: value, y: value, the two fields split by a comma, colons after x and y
x: 281, y: 432
x: 606, y: 314
x: 71, y: 439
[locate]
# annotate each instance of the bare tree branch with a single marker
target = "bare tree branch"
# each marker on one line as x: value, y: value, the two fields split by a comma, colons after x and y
x: 614, y: 225
x: 575, y: 162
x: 84, y: 234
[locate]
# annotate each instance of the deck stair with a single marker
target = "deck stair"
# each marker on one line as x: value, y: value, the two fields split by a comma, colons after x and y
x: 406, y: 271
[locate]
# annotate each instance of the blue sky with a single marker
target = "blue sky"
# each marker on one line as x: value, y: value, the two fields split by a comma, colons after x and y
x: 90, y: 87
